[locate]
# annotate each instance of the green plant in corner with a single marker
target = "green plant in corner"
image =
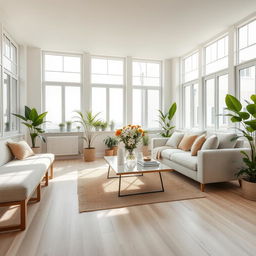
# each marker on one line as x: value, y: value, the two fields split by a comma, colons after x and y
x: 111, y: 142
x: 33, y: 121
x: 165, y: 120
x: 247, y: 120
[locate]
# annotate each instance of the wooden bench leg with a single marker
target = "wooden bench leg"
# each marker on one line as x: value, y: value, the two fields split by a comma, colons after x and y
x: 51, y: 172
x: 202, y: 187
x: 38, y: 194
x: 23, y: 214
x: 46, y: 178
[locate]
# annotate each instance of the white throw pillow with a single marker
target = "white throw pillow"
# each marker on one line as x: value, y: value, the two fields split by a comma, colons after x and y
x: 225, y: 140
x: 175, y: 139
x: 211, y: 143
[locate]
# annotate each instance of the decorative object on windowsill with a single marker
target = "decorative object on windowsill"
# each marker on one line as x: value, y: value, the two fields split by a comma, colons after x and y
x: 131, y: 136
x: 87, y: 121
x: 61, y: 126
x: 145, y: 143
x: 165, y: 120
x: 7, y: 127
x: 109, y: 143
x: 115, y: 145
x: 97, y: 125
x: 247, y: 119
x: 33, y: 121
x: 78, y: 128
x: 112, y: 125
x: 104, y: 126
x: 69, y: 125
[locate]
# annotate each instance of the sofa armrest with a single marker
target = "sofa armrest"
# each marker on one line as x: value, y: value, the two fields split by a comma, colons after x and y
x: 158, y: 142
x: 219, y: 165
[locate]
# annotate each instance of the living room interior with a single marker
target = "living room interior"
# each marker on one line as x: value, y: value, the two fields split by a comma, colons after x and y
x: 128, y: 127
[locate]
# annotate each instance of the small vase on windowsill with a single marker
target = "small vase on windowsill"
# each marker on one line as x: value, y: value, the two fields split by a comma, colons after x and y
x: 130, y: 158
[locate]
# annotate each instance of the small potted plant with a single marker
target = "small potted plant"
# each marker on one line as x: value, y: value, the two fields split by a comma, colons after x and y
x: 112, y: 125
x: 114, y: 145
x: 78, y: 128
x: 145, y: 143
x: 7, y: 127
x: 97, y: 125
x: 69, y: 125
x: 104, y: 126
x: 109, y: 143
x: 61, y: 126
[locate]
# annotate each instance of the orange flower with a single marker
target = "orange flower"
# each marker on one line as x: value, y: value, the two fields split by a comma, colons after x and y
x: 140, y: 130
x: 118, y: 132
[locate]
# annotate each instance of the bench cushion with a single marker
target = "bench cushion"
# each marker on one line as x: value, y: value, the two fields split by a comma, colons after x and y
x: 185, y: 159
x: 19, y: 178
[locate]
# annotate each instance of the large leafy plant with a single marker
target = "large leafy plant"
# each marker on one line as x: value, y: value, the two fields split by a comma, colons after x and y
x: 165, y: 120
x: 247, y: 120
x: 88, y: 122
x: 33, y: 121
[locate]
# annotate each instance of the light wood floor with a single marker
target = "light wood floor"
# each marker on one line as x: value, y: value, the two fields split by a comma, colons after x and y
x: 223, y: 223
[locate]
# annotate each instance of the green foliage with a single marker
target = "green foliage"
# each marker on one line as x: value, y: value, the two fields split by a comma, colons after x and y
x: 33, y: 121
x: 87, y: 121
x: 111, y: 142
x: 248, y: 130
x: 104, y: 125
x: 69, y: 122
x: 165, y: 120
x: 61, y: 125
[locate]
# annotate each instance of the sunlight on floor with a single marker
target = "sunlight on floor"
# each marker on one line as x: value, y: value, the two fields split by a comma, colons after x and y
x: 114, y: 212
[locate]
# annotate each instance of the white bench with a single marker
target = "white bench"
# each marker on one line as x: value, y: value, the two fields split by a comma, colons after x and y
x: 21, y: 179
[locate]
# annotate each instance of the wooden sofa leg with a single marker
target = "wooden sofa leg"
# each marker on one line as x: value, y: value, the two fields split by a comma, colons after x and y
x: 23, y: 214
x: 46, y: 179
x: 202, y: 186
x: 38, y: 194
x: 51, y: 172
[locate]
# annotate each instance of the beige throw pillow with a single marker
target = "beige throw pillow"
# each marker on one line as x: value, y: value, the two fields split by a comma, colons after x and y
x: 211, y: 142
x: 187, y: 142
x: 20, y: 150
x: 198, y: 143
x: 175, y: 139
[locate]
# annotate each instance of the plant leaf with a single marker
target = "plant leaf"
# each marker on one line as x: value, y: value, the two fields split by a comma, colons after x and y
x: 172, y: 111
x: 233, y: 103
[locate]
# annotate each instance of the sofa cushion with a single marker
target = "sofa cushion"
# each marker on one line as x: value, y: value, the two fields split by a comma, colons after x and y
x: 239, y: 144
x: 187, y: 142
x: 20, y: 150
x: 211, y: 143
x: 19, y: 178
x: 168, y: 152
x: 175, y: 139
x: 225, y: 140
x: 185, y: 159
x: 197, y: 145
x: 5, y: 153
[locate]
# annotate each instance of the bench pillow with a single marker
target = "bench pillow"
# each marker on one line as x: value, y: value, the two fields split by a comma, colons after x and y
x: 20, y: 150
x: 187, y: 142
x: 197, y: 145
x: 211, y: 142
x: 175, y: 139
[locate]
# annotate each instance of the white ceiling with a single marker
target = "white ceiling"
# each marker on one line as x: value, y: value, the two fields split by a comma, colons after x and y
x: 140, y: 28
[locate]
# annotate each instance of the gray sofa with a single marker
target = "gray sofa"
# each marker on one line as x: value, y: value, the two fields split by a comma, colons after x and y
x: 209, y: 166
x: 20, y: 180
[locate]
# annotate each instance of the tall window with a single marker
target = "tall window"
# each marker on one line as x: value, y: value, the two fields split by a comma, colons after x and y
x: 10, y: 84
x: 190, y: 68
x: 146, y: 79
x: 247, y: 42
x: 107, y: 78
x: 216, y: 56
x: 62, y: 82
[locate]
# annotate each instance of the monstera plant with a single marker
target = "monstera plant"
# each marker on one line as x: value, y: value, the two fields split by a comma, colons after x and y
x: 33, y: 121
x: 165, y: 120
x: 247, y: 119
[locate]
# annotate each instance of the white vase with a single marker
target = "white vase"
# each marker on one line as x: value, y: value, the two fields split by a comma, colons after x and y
x: 131, y: 159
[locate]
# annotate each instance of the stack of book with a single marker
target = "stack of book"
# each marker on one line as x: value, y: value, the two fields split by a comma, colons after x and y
x: 148, y: 163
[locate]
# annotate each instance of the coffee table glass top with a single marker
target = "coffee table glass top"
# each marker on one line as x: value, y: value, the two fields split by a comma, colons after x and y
x: 123, y: 169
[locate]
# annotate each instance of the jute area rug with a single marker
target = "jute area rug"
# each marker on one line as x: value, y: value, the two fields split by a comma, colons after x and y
x: 96, y: 192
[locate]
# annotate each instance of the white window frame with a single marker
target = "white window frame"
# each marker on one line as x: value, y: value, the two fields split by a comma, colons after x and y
x: 144, y: 88
x: 61, y: 84
x: 111, y: 86
x: 183, y: 67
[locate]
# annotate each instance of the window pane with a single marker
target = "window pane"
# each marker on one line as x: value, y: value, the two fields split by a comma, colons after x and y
x: 210, y: 98
x: 99, y: 66
x: 72, y: 64
x: 137, y: 107
x: 53, y: 62
x: 107, y: 79
x: 153, y: 107
x: 13, y: 54
x: 196, y: 105
x: 187, y: 113
x: 191, y: 67
x: 7, y: 49
x: 62, y: 77
x: 53, y: 105
x: 115, y: 67
x: 247, y: 84
x: 116, y: 106
x: 99, y: 102
x: 252, y: 33
x: 72, y: 102
x: 14, y: 103
x: 223, y: 90
x: 247, y: 53
x: 138, y: 68
x: 243, y: 37
x: 6, y: 103
x: 153, y: 70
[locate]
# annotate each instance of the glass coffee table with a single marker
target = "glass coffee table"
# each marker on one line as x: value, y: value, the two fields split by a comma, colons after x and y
x: 138, y: 170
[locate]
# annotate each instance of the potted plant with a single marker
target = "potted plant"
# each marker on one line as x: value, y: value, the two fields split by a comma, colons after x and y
x: 109, y: 143
x: 247, y: 120
x: 114, y: 145
x: 87, y: 121
x: 61, y: 126
x: 7, y: 127
x: 97, y: 125
x: 69, y: 125
x: 112, y: 125
x: 145, y: 143
x: 165, y: 120
x: 33, y: 121
x: 78, y: 128
x: 104, y: 126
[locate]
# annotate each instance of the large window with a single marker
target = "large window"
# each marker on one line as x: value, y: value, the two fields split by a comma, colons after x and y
x: 10, y: 84
x: 216, y: 56
x: 107, y: 78
x: 62, y: 80
x: 190, y: 68
x: 247, y: 42
x: 146, y: 79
